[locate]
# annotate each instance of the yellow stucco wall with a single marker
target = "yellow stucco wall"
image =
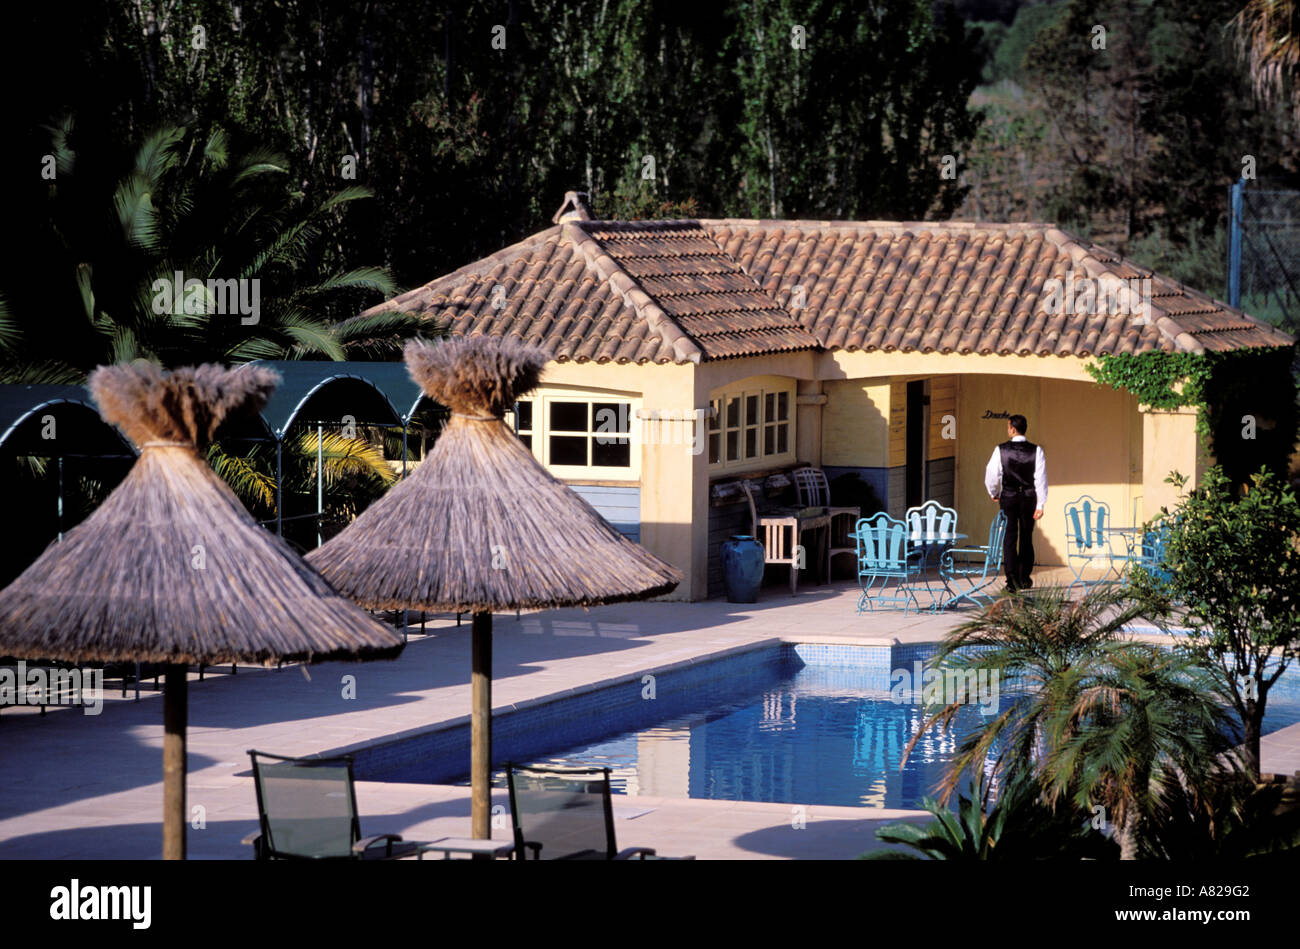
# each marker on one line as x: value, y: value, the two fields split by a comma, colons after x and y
x: 674, y: 480
x: 855, y: 423
x: 1170, y: 444
x: 1086, y: 431
x: 1096, y: 440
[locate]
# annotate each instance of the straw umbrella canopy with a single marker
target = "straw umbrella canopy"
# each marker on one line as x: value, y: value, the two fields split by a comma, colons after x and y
x: 480, y: 525
x: 172, y: 569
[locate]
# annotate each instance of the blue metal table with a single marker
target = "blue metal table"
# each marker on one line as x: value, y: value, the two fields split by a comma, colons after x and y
x: 931, y: 550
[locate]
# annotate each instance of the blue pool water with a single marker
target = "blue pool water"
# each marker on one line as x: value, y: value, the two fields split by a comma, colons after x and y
x: 816, y: 736
x: 799, y: 724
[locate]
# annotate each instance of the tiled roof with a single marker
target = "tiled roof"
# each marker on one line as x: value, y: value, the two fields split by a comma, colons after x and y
x: 703, y: 290
x: 683, y: 291
x: 970, y: 288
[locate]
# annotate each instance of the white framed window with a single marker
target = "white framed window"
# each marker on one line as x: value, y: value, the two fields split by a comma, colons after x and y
x: 751, y: 424
x: 581, y: 435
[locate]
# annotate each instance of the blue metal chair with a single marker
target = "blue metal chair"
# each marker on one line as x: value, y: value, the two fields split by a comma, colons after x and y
x: 1150, y: 554
x: 884, y: 554
x: 931, y: 527
x: 975, y: 567
x: 1088, y: 542
x: 931, y: 523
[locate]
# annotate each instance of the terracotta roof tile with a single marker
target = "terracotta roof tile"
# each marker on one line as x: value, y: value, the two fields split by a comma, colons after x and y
x: 681, y: 291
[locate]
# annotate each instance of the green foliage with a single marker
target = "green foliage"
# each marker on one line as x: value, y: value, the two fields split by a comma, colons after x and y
x: 1139, y: 137
x: 189, y: 204
x: 988, y: 36
x: 1098, y: 721
x: 469, y: 147
x: 1246, y: 399
x: 856, y: 123
x: 1199, y: 261
x: 1008, y: 60
x: 1234, y: 819
x: 1144, y: 724
x: 1234, y: 569
x: 1019, y: 826
x: 1037, y: 645
x: 1158, y: 379
x: 355, y: 472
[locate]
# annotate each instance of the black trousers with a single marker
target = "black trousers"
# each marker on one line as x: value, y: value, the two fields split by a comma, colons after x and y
x: 1018, y: 542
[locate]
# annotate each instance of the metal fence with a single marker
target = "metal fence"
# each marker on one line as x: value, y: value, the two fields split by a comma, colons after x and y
x: 1264, y: 253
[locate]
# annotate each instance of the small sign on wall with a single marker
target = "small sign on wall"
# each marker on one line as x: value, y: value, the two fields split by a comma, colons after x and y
x: 989, y: 413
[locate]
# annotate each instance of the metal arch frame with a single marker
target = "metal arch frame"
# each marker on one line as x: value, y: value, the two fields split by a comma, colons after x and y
x: 63, y: 400
x: 131, y: 452
x: 335, y: 377
x: 279, y: 435
x: 269, y: 432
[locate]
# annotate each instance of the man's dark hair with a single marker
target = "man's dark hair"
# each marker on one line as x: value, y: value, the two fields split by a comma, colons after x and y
x: 1019, y: 423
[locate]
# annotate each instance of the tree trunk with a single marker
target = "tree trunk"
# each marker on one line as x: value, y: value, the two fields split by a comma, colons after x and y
x: 365, y: 87
x: 1253, y: 725
x: 1127, y: 837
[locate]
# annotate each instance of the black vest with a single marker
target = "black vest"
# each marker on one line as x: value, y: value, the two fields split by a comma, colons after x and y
x: 1018, y: 465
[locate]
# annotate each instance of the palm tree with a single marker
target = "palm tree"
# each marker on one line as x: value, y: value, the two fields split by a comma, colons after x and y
x: 1098, y: 721
x: 1147, y: 729
x: 353, y: 470
x: 163, y: 253
x: 1268, y: 39
x: 1031, y: 644
x: 184, y: 203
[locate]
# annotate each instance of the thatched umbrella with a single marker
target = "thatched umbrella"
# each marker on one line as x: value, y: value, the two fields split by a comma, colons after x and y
x: 481, y: 526
x: 172, y: 569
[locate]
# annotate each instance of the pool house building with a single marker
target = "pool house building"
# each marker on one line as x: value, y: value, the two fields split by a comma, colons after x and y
x: 689, y: 355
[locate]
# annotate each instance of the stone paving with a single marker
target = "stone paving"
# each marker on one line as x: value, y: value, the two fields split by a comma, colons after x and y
x: 89, y: 786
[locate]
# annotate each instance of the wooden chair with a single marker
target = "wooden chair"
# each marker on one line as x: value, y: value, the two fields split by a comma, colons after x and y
x: 815, y: 491
x: 781, y: 535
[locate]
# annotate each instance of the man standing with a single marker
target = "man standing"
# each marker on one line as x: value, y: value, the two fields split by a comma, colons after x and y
x: 1016, y: 478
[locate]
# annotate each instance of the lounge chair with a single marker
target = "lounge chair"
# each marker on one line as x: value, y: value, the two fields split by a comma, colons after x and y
x: 307, y: 808
x: 565, y: 814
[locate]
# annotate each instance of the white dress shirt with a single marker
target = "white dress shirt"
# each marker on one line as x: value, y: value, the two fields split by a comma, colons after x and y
x: 993, y: 473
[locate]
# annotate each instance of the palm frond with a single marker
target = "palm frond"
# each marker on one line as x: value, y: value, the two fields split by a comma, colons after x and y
x: 253, y: 486
x: 343, y: 196
x: 343, y: 457
x: 364, y: 278
x: 312, y: 337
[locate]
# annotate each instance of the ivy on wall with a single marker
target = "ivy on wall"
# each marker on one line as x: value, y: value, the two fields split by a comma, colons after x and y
x: 1246, y: 399
x: 1158, y: 379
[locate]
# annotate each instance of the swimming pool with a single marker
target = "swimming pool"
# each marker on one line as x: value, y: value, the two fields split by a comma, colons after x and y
x: 786, y: 723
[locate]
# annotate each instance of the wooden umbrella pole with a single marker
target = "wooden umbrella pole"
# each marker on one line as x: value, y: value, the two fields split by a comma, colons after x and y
x: 175, y: 704
x: 480, y: 762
